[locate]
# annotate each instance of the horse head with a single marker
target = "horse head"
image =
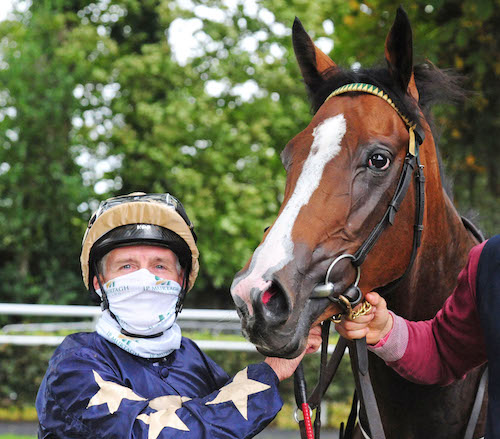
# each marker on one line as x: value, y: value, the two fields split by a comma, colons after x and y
x: 342, y: 172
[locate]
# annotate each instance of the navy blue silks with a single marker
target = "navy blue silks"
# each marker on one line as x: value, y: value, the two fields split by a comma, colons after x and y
x: 488, y: 301
x: 94, y: 389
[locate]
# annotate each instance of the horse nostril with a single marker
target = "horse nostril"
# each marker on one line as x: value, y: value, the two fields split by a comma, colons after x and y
x: 275, y: 304
x: 266, y: 297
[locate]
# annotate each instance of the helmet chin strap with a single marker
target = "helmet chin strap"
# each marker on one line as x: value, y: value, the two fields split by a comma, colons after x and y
x: 182, y: 294
x: 105, y: 306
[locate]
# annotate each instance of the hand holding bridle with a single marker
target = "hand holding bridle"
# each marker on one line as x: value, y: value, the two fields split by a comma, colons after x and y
x: 374, y: 326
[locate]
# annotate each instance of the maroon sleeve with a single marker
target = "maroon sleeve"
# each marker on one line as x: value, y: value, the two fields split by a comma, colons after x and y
x: 445, y: 348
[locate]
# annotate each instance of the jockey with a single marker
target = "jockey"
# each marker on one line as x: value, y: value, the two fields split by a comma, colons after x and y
x: 463, y: 334
x: 136, y: 376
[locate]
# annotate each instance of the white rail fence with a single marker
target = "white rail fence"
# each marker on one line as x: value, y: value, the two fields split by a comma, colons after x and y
x: 214, y: 318
x: 220, y: 318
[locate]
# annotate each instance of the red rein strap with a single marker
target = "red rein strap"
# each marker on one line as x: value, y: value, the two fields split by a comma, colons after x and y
x: 307, y: 420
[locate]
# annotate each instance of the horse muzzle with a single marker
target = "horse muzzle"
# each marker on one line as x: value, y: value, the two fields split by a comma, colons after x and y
x: 273, y: 324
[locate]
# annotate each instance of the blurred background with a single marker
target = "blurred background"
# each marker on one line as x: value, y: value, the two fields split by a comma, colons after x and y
x: 196, y: 98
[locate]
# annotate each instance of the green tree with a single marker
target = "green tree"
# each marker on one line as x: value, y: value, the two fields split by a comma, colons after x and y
x: 45, y: 55
x: 96, y: 103
x: 221, y: 153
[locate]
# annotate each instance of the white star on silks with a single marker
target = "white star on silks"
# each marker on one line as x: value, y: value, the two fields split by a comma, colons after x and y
x: 165, y: 416
x: 238, y: 391
x: 111, y: 394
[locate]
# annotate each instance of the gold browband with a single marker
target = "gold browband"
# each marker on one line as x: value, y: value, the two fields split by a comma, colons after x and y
x: 371, y: 89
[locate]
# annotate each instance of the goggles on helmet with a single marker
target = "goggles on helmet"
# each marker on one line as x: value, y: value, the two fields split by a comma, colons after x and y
x: 165, y: 199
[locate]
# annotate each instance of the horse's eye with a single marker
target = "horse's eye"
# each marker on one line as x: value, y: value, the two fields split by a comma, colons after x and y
x: 379, y: 162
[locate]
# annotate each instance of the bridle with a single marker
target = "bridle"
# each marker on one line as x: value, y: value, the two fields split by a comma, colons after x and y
x: 411, y: 165
x: 364, y: 397
x: 352, y: 296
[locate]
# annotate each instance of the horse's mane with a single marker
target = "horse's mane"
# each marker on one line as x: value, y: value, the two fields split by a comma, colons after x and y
x: 434, y: 86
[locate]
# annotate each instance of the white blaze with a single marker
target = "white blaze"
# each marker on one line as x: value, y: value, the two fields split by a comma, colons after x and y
x: 277, y: 249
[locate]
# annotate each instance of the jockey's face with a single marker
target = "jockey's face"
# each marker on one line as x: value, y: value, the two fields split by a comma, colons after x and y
x: 160, y: 261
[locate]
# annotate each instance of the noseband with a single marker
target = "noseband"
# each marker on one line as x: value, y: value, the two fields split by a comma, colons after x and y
x: 352, y: 296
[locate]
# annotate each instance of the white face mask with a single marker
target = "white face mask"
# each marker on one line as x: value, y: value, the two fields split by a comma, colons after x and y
x: 144, y: 304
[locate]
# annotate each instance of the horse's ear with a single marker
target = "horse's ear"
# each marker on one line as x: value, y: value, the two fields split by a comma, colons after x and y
x: 399, y: 53
x: 313, y: 63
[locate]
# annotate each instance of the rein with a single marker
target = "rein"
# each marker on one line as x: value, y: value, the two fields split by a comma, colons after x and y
x: 353, y: 296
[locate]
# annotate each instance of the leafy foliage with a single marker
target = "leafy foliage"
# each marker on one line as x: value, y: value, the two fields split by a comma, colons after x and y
x: 41, y: 187
x: 95, y: 101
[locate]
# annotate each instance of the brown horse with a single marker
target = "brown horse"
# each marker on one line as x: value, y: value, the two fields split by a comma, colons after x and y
x: 342, y: 171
